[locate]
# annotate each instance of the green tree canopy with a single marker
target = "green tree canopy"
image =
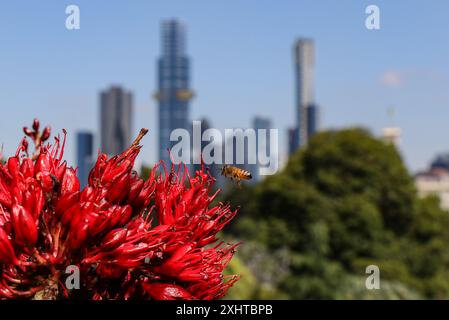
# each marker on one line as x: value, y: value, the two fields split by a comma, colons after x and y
x: 342, y: 203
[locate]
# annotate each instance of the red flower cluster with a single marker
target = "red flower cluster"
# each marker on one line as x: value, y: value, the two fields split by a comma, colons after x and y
x: 130, y: 238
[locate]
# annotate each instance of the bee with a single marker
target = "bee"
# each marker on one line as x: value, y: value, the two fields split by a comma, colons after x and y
x: 235, y: 173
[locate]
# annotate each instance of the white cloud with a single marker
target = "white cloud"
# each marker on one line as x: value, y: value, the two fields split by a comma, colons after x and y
x: 392, y: 78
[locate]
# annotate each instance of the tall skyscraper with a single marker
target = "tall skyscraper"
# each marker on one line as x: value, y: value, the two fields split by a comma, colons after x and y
x: 293, y: 139
x: 260, y: 123
x: 115, y: 120
x: 84, y: 155
x: 174, y: 91
x: 312, y: 115
x: 306, y: 109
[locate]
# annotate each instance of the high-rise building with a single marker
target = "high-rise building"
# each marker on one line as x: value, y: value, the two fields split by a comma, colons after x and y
x: 115, y: 120
x: 174, y: 91
x: 260, y: 123
x: 293, y: 140
x: 84, y: 155
x: 312, y: 112
x: 306, y: 109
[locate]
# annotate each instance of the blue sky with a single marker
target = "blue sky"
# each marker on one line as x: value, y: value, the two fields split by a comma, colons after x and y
x: 241, y: 55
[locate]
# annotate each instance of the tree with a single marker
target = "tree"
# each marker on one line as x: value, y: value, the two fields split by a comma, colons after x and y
x: 344, y: 202
x: 351, y: 161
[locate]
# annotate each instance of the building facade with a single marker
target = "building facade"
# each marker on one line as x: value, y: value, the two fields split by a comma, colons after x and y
x: 174, y: 92
x: 84, y: 155
x: 115, y: 120
x: 441, y: 161
x: 306, y: 109
x: 435, y: 182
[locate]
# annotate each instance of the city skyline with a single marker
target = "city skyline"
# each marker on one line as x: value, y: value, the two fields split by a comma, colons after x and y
x: 243, y: 68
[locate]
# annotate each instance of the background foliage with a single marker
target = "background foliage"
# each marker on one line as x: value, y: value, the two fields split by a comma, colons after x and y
x: 343, y: 203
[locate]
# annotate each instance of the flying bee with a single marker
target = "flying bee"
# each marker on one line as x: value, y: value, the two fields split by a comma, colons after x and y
x: 235, y: 173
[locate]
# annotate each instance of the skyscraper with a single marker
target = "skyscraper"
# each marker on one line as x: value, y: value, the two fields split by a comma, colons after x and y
x: 84, y: 155
x: 306, y: 109
x: 174, y: 91
x: 115, y: 120
x: 293, y: 139
x: 312, y: 115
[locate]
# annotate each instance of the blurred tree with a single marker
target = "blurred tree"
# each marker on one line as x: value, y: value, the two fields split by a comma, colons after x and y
x: 350, y: 162
x: 354, y: 288
x: 342, y: 203
x: 145, y: 172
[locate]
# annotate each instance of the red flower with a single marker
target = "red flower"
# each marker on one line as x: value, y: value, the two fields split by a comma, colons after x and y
x: 130, y: 238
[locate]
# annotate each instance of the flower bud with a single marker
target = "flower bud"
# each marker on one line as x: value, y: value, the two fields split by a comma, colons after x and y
x: 5, y: 195
x: 14, y: 167
x: 166, y: 291
x: 110, y: 271
x: 125, y: 215
x: 28, y: 132
x: 70, y: 213
x: 135, y: 189
x: 24, y: 227
x: 119, y: 189
x: 27, y: 168
x: 113, y: 239
x: 36, y: 124
x: 7, y: 254
x: 60, y: 171
x: 70, y: 182
x: 65, y: 202
x: 78, y: 235
x: 46, y: 134
x: 39, y: 202
x: 28, y: 201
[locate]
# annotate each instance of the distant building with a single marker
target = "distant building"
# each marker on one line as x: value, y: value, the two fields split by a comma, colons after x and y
x: 115, y: 120
x: 306, y: 109
x: 434, y: 182
x: 441, y: 162
x: 174, y: 91
x: 392, y: 135
x: 293, y: 140
x: 84, y: 155
x: 312, y: 112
